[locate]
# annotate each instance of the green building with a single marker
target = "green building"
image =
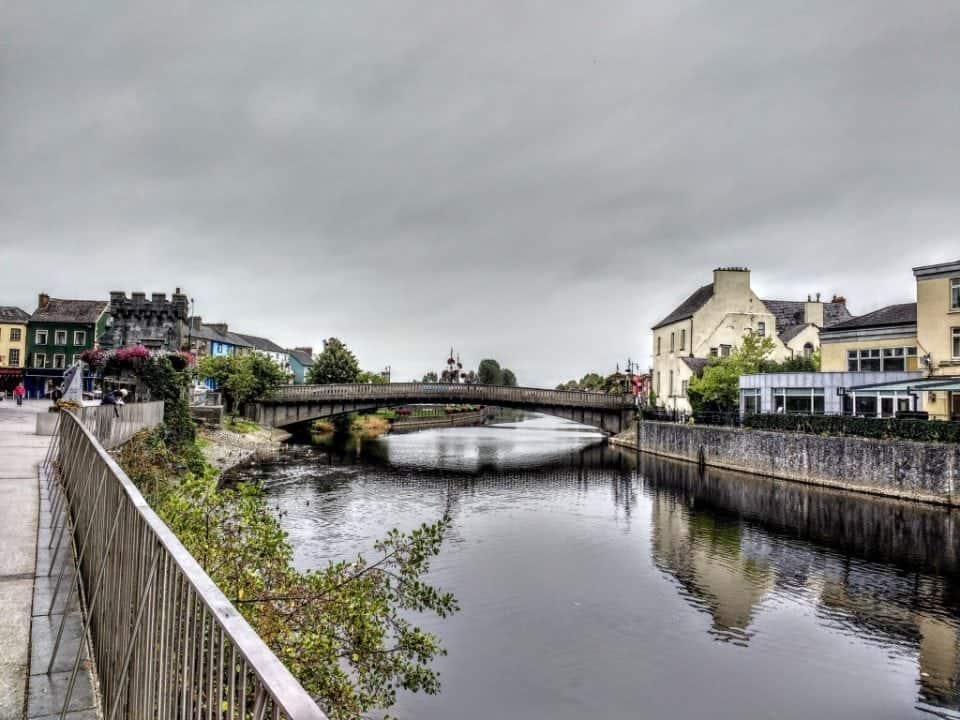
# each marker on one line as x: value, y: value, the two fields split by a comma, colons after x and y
x: 57, y: 333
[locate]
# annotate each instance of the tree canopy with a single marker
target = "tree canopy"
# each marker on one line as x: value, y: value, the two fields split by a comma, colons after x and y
x: 242, y: 378
x: 489, y: 372
x: 336, y: 364
x: 508, y: 378
x: 718, y: 388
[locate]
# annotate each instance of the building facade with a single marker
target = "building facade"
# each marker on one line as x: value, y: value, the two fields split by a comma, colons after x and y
x: 58, y: 332
x: 269, y: 349
x: 158, y: 323
x: 13, y: 346
x: 713, y: 321
x: 301, y: 360
x: 214, y: 340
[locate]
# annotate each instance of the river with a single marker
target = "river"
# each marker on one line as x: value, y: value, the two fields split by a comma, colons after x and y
x: 596, y: 583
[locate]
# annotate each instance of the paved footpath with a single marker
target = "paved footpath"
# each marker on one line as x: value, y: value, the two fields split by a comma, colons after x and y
x: 20, y: 453
x: 27, y: 625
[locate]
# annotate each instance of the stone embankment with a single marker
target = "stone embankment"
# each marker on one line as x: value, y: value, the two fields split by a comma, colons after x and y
x: 224, y: 449
x: 425, y: 422
x: 928, y: 472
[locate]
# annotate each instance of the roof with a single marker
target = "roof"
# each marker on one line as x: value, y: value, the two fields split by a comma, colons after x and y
x: 205, y: 332
x: 70, y: 311
x: 301, y: 357
x: 903, y: 314
x: 688, y: 307
x: 696, y: 364
x: 261, y: 343
x: 10, y: 314
x: 789, y: 333
x: 789, y: 313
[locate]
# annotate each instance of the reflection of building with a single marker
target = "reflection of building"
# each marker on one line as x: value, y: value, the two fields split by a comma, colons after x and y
x: 714, y: 319
x: 13, y: 346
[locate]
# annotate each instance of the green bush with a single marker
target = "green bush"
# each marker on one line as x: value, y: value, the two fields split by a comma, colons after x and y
x: 876, y: 428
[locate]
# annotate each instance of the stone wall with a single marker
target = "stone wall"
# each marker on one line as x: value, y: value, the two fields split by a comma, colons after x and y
x: 900, y: 468
x: 159, y: 323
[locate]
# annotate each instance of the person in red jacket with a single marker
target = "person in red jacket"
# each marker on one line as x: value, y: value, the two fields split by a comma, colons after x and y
x: 18, y: 393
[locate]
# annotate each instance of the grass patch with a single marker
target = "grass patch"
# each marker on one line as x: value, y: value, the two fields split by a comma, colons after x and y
x: 240, y: 425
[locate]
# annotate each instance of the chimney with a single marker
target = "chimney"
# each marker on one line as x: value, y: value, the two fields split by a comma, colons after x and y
x: 307, y: 350
x: 729, y: 281
x: 839, y: 299
x: 43, y: 300
x: 218, y: 327
x: 813, y: 311
x: 195, y: 322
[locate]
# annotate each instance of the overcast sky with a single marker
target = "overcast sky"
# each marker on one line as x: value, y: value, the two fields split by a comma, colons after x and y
x: 534, y: 181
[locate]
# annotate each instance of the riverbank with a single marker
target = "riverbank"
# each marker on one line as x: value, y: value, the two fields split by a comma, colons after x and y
x: 224, y: 448
x: 925, y: 472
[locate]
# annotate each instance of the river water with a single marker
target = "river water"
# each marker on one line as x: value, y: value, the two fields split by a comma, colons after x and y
x: 596, y: 583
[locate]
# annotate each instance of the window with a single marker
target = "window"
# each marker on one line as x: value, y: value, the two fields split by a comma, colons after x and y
x: 15, y: 334
x: 713, y: 352
x: 60, y: 337
x: 870, y: 360
x: 955, y: 294
x: 41, y: 337
x: 724, y: 351
x: 59, y: 361
x: 799, y: 401
x: 39, y: 360
x: 671, y: 384
x: 853, y: 363
x: 658, y: 344
x: 79, y: 337
x: 807, y: 349
x: 761, y: 329
x: 751, y: 401
x: 956, y: 343
x: 673, y: 344
x: 658, y: 383
x: 14, y: 357
x: 683, y: 388
x: 76, y: 359
x: 894, y: 359
x: 683, y: 339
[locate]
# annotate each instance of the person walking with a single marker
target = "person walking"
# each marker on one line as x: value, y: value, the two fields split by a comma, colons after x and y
x: 18, y: 393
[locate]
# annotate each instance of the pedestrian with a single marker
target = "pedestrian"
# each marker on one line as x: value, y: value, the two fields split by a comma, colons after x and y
x: 19, y: 392
x: 56, y: 394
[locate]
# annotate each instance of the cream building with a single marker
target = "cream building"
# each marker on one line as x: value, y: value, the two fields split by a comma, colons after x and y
x: 714, y: 319
x: 13, y: 346
x: 922, y: 336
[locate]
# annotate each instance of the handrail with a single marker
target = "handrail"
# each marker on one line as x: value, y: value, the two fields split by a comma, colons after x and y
x: 166, y: 641
x: 454, y: 392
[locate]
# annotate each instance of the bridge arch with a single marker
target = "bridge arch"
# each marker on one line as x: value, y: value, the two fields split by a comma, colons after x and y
x: 296, y: 404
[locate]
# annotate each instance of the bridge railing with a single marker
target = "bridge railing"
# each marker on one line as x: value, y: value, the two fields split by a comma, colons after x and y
x: 452, y: 392
x: 166, y: 641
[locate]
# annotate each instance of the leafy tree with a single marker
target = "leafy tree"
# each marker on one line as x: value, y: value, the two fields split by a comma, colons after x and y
x: 430, y: 377
x: 508, y: 378
x: 489, y: 372
x: 798, y: 363
x: 242, y: 378
x: 371, y: 378
x: 718, y: 388
x: 336, y: 364
x: 164, y: 382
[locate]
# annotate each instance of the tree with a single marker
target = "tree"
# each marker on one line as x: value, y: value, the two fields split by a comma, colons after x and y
x: 489, y: 372
x: 242, y: 378
x: 508, y: 378
x: 718, y: 388
x: 430, y: 377
x: 371, y: 378
x: 336, y: 364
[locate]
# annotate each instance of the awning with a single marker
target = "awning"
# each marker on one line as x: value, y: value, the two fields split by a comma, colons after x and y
x: 946, y: 384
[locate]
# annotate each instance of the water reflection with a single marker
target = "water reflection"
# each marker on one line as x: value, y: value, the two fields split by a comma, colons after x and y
x: 582, y: 571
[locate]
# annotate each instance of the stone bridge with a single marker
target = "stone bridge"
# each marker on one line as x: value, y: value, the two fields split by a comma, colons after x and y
x: 293, y: 404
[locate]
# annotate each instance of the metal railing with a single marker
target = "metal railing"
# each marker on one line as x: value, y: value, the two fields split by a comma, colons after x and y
x: 113, y: 425
x: 166, y: 641
x: 451, y: 392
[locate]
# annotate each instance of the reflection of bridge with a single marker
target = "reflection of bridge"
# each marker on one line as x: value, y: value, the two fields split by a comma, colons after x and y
x: 301, y: 403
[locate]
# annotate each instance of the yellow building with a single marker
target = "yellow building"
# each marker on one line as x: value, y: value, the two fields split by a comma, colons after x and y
x: 13, y: 346
x: 922, y: 336
x: 714, y: 319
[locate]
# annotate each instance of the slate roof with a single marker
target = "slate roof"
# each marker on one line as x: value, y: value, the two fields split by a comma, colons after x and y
x: 10, y: 314
x: 205, y: 332
x: 302, y: 357
x: 696, y: 364
x: 261, y: 343
x: 903, y: 314
x: 789, y: 313
x: 70, y: 311
x: 688, y: 307
x: 789, y: 333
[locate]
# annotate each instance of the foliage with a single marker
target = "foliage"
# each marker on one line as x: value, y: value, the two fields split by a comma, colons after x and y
x: 877, y: 428
x: 164, y: 383
x: 798, y: 363
x: 95, y: 358
x: 367, y: 427
x: 371, y: 378
x: 345, y: 630
x: 593, y: 382
x: 508, y: 378
x: 718, y: 388
x: 489, y: 372
x: 322, y: 426
x: 240, y: 425
x: 336, y: 364
x: 242, y: 378
x: 430, y: 377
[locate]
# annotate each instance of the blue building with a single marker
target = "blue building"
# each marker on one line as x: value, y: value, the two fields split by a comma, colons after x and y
x: 301, y: 360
